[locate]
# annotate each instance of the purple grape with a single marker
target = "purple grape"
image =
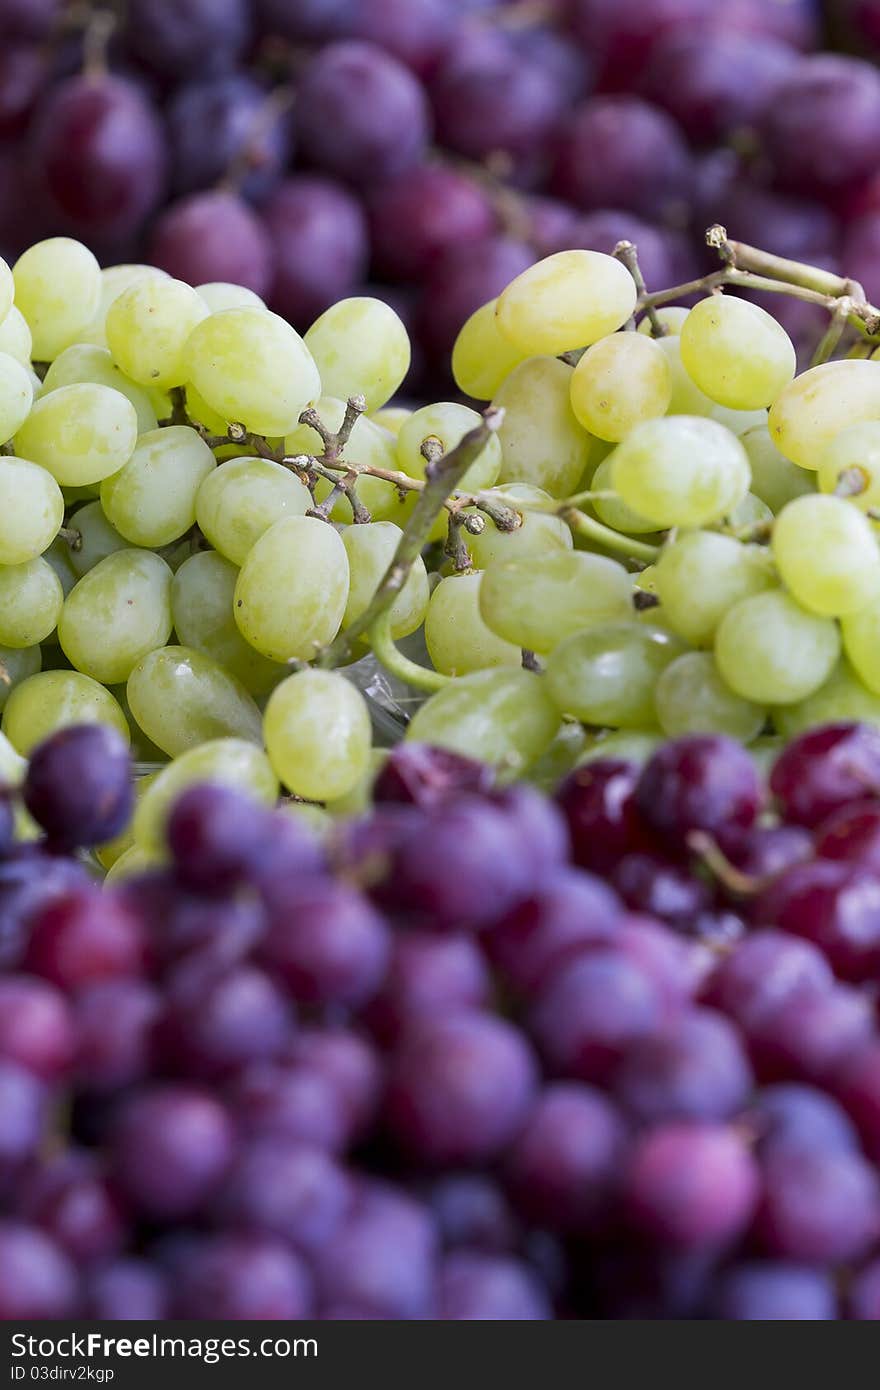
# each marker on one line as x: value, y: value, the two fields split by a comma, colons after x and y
x: 415, y: 31
x: 598, y: 801
x: 863, y: 1303
x: 380, y: 1260
x: 173, y: 37
x: 766, y: 1291
x: 327, y: 943
x: 182, y: 926
x: 70, y: 1199
x: 473, y: 1213
x: 823, y: 770
x: 232, y: 1277
x: 821, y: 1206
x: 809, y: 1035
x: 171, y: 1147
x: 419, y: 215
x: 27, y: 885
x: 787, y: 226
x: 477, y: 1287
x: 127, y: 1290
x: 550, y: 223
x: 691, y: 1186
x: 28, y: 19
x: 115, y: 1022
x: 37, y: 1028
x: 696, y: 1069
x: 294, y: 1101
x: 763, y: 973
x: 215, y: 1022
x: 37, y: 1281
x: 318, y: 236
x: 834, y: 905
x: 798, y: 1116
x: 286, y: 1189
x: 857, y: 1085
x: 763, y: 851
x: 852, y: 834
x: 557, y: 55
x: 84, y: 936
x: 222, y: 124
x: 647, y: 883
x: 214, y: 835
x: 213, y: 236
x: 427, y: 975
x: 308, y: 21
x: 417, y: 774
x: 636, y: 1281
x: 24, y: 1107
x: 537, y: 825
x: 23, y: 78
x: 461, y: 281
x: 703, y: 782
x: 349, y: 1064
x: 659, y: 252
x: 621, y: 35
x: 678, y: 967
x: 78, y: 785
x: 822, y: 130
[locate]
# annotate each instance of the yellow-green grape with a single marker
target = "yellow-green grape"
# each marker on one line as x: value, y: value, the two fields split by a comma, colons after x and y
x: 812, y: 410
x: 252, y: 368
x: 502, y: 716
x: 15, y: 337
x: 619, y: 382
x: 147, y: 330
x: 16, y: 664
x: 220, y: 295
x: 360, y: 348
x: 749, y: 514
x: 611, y: 510
x: 539, y: 531
x: 560, y: 757
x: 116, y: 614
x: 16, y: 396
x: 152, y: 499
x: 369, y: 444
x: 371, y: 548
x: 457, y: 639
x: 702, y: 575
x: 852, y: 463
x: 317, y: 731
x: 7, y: 289
x: 57, y: 289
x: 133, y: 861
x: 31, y: 510
x: 181, y: 697
x: 114, y: 280
x: 687, y: 398
x: 771, y: 650
x: 86, y: 362
x: 358, y: 800
x: 682, y: 470
x: 541, y: 440
x: 201, y: 413
x: 764, y: 751
x: 861, y: 642
x: 607, y: 673
x: 97, y: 538
x: 53, y: 700
x: 226, y: 762
x: 59, y: 557
x: 538, y: 603
x: 241, y: 499
x: 566, y: 301
x: 447, y: 423
x: 80, y: 433
x: 632, y: 745
x: 390, y: 418
x: 315, y: 818
x: 482, y: 357
x: 113, y: 850
x: 739, y: 422
x: 826, y: 553
x: 30, y: 602
x: 672, y: 316
x: 775, y: 479
x: 292, y: 589
x: 736, y: 352
x: 202, y: 606
x: 691, y: 698
x: 843, y: 696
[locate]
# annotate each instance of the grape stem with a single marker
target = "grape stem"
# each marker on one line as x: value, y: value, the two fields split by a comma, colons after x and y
x: 626, y: 253
x: 386, y: 651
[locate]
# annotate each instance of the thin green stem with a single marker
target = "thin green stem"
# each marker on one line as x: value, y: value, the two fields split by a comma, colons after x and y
x: 394, y: 661
x: 610, y: 540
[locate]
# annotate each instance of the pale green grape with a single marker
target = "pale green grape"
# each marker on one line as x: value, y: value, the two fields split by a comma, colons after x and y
x: 220, y: 295
x: 292, y: 589
x: 619, y: 382
x: 560, y: 757
x: 368, y: 444
x: 391, y: 417
x: 702, y: 575
x: 98, y: 538
x: 16, y: 396
x: 147, y: 330
x: 225, y: 762
x: 812, y: 410
x: 852, y: 460
x: 15, y: 337
x: 682, y: 470
x: 736, y: 352
x: 31, y: 510
x: 152, y: 499
x: 861, y: 642
x: 632, y: 745
x: 317, y: 731
x: 116, y: 614
x: 181, y: 697
x: 672, y: 316
x: 201, y: 413
x: 538, y: 603
x: 360, y: 348
x: 749, y: 514
x: 86, y: 362
x: 482, y: 357
x: 611, y: 510
x: 826, y: 553
x: 457, y: 639
x: 541, y: 440
x: 566, y: 301
x: 57, y: 289
x: 772, y: 651
x: 114, y: 279
x: 59, y: 557
x: 30, y: 602
x: 131, y: 862
x: 53, y: 700
x: 16, y: 664
x: 357, y: 801
x: 687, y: 398
x: 539, y: 532
x: 775, y: 479
x: 739, y: 422
x: 607, y: 673
x: 843, y: 696
x: 253, y: 369
x: 447, y: 423
x: 501, y: 716
x: 80, y: 433
x: 371, y: 548
x: 202, y: 606
x: 241, y: 499
x: 691, y: 698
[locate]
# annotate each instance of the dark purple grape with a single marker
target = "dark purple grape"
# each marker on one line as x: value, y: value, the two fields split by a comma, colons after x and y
x: 78, y: 785
x: 427, y: 975
x: 647, y: 883
x: 239, y: 1278
x: 294, y: 1101
x: 598, y: 801
x: 308, y: 21
x: 70, y: 1199
x: 171, y: 1147
x: 37, y: 1029
x: 473, y: 1213
x: 326, y: 942
x: 29, y: 883
x: 127, y: 1290
x: 762, y: 973
x: 825, y: 769
x: 286, y: 1189
x: 834, y: 905
x: 24, y: 1108
x: 691, y: 1186
x: 763, y: 851
x: 461, y: 281
x: 115, y: 1023
x: 37, y: 1281
x: 84, y: 936
x: 857, y: 1086
x: 380, y: 1261
x: 180, y: 925
x: 798, y: 1116
x: 477, y: 1287
x: 415, y: 31
x: 215, y: 1022
x: 785, y: 225
x: 176, y: 37
x: 213, y: 236
x: 318, y: 235
x: 774, y: 1291
x: 863, y: 1303
x: 621, y: 35
x: 417, y: 774
x: 702, y: 782
x: 822, y: 130
x: 549, y: 222
x: 421, y: 214
x: 821, y: 1206
x: 214, y: 835
x: 637, y: 1281
x: 23, y: 78
x: 537, y: 826
x: 349, y: 1064
x: 660, y: 255
x: 809, y: 1035
x: 696, y: 1069
x: 227, y: 124
x: 852, y: 833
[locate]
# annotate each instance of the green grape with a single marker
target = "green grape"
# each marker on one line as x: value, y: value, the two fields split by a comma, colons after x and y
x: 619, y: 382
x: 292, y: 589
x: 501, y: 716
x: 181, y: 697
x: 147, y: 330
x: 31, y: 510
x: 202, y: 597
x: 371, y: 549
x: 241, y: 499
x: 59, y: 557
x: 632, y: 745
x: 861, y: 642
x: 15, y: 337
x: 368, y: 444
x: 447, y: 423
x: 672, y: 316
x: 152, y: 499
x: 691, y: 698
x: 314, y: 818
x: 116, y: 614
x: 30, y: 602
x: 749, y: 514
x: 16, y: 396
x: 562, y: 755
x: 739, y: 422
x: 220, y: 295
x: 611, y: 510
x: 57, y: 289
x: 252, y: 368
x: 133, y: 861
x: 318, y: 734
x: 53, y: 700
x: 360, y: 348
x: 98, y: 538
x: 80, y: 433
x: 702, y: 575
x: 536, y: 604
x: 682, y: 470
x: 566, y: 301
x: 13, y: 767
x: 826, y: 553
x: 607, y: 674
x: 201, y: 413
x: 391, y: 418
x: 539, y: 531
x: 736, y: 352
x: 764, y: 751
x: 86, y: 362
x: 775, y: 479
x: 482, y: 357
x: 226, y: 762
x: 852, y: 461
x: 457, y: 639
x: 687, y: 398
x: 16, y: 664
x: 541, y: 440
x: 358, y: 801
x: 114, y: 279
x: 772, y: 651
x: 843, y: 696
x: 812, y: 410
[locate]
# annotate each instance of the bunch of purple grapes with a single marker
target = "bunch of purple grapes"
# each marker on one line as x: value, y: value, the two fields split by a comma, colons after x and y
x: 484, y: 1055
x: 433, y: 148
